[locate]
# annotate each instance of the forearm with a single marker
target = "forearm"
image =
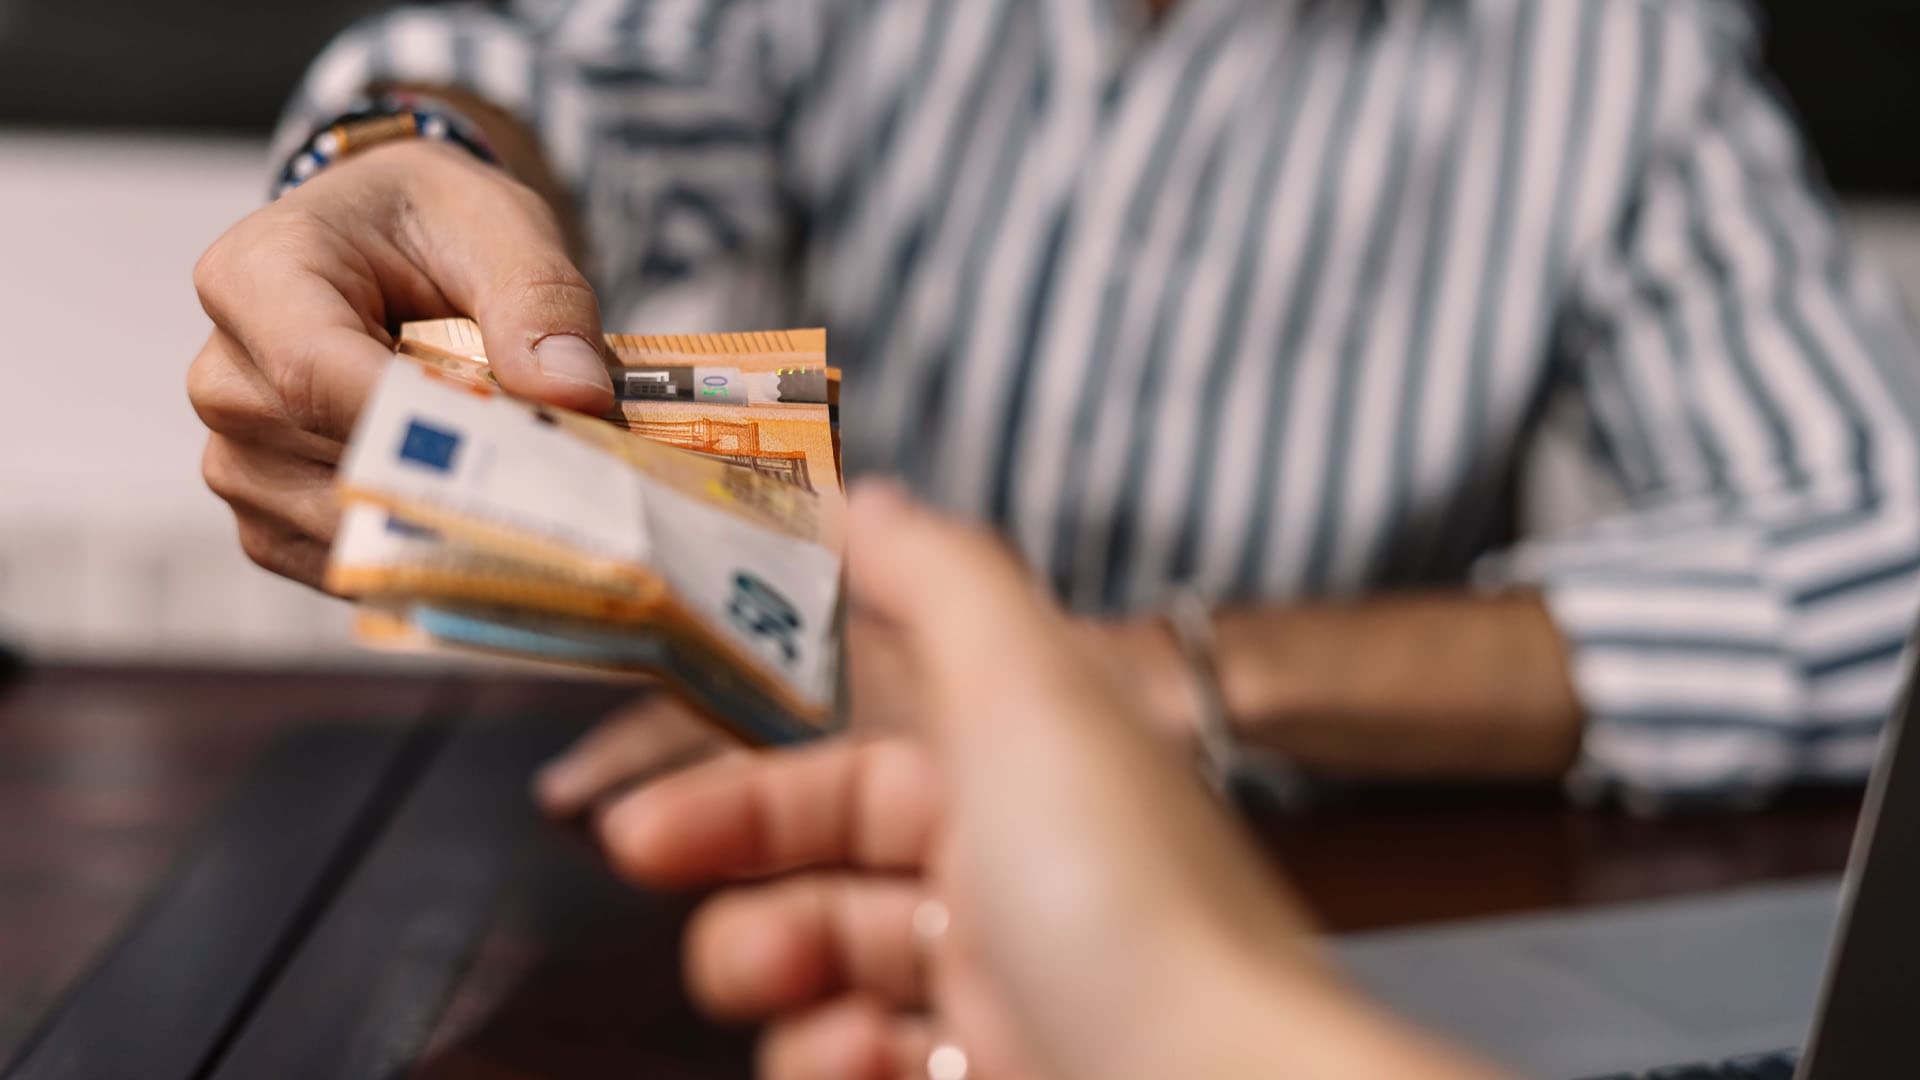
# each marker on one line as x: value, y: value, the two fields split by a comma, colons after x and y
x: 1443, y: 684
x: 1435, y: 685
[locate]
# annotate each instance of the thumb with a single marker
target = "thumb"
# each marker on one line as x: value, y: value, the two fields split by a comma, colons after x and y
x: 1001, y: 684
x: 937, y: 582
x: 1067, y: 827
x: 961, y: 604
x: 537, y: 314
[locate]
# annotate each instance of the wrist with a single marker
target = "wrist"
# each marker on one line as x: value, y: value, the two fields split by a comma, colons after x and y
x: 1254, y: 696
x: 391, y: 117
x: 1157, y: 674
x: 413, y: 164
x: 517, y: 149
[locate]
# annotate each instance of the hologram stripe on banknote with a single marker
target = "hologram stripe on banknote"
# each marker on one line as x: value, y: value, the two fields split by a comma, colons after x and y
x: 763, y: 402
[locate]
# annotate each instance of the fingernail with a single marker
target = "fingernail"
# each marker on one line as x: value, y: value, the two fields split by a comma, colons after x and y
x: 568, y: 358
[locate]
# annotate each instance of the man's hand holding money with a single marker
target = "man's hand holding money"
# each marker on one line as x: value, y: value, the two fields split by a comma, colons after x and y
x: 302, y: 292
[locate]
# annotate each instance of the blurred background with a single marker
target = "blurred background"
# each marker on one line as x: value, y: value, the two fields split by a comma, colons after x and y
x: 132, y: 132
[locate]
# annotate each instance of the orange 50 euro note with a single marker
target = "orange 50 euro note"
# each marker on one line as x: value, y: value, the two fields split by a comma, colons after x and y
x: 695, y: 537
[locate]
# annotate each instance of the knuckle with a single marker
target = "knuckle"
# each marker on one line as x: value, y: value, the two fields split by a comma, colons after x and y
x: 275, y: 235
x: 262, y: 544
x: 226, y: 398
x: 217, y: 469
x: 551, y: 280
x: 225, y: 261
x: 210, y: 270
x: 551, y: 293
x: 205, y: 380
x: 210, y: 384
x: 279, y: 550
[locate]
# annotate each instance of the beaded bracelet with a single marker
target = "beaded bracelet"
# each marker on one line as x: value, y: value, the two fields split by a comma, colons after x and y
x: 388, y: 118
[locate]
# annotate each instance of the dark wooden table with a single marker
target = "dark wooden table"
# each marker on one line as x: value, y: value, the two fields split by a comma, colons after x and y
x: 106, y: 776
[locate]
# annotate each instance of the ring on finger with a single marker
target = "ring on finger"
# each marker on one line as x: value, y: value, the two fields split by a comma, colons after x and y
x: 947, y: 1062
x: 931, y: 918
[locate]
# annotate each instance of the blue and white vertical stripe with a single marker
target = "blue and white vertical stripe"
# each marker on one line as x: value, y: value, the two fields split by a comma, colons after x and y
x: 1269, y: 297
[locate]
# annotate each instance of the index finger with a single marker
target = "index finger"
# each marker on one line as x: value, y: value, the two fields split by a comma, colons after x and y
x: 869, y: 805
x: 316, y: 349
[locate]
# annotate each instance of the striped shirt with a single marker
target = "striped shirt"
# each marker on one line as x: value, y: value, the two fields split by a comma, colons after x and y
x: 1272, y: 297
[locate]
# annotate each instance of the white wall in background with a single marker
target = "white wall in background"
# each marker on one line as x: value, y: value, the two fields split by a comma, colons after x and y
x: 109, y: 545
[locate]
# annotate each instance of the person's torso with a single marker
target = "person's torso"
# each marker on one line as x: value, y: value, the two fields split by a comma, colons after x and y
x: 1263, y: 298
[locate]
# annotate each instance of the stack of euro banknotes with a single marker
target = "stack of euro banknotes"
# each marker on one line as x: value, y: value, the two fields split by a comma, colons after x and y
x: 695, y: 533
